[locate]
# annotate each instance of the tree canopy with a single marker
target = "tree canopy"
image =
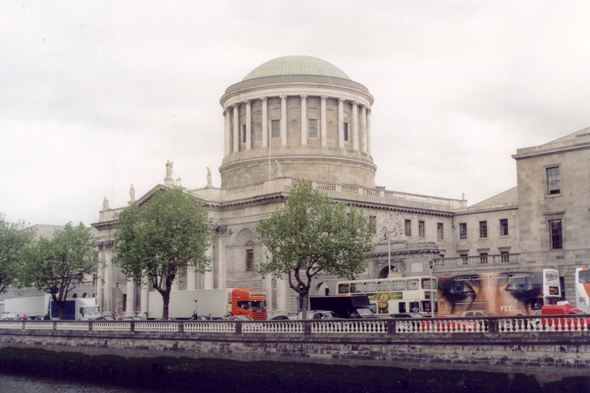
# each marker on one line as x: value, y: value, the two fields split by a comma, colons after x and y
x: 170, y: 232
x: 314, y: 235
x: 56, y: 265
x: 14, y: 237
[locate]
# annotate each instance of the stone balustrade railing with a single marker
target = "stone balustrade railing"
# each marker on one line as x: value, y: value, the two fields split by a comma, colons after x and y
x: 379, y: 326
x: 278, y: 185
x: 496, y: 259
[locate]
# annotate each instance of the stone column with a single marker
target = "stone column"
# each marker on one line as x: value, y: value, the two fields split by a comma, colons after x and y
x: 191, y: 278
x: 283, y: 120
x: 364, y: 129
x: 130, y: 305
x: 144, y: 297
x: 220, y: 248
x: 209, y: 277
x: 100, y: 276
x: 176, y: 283
x: 227, y: 141
x: 236, y: 128
x: 355, y: 126
x: 341, y: 123
x: 264, y: 122
x: 324, y: 123
x: 248, y: 125
x: 108, y: 278
x: 368, y: 130
x: 267, y: 288
x: 281, y: 296
x: 303, y: 120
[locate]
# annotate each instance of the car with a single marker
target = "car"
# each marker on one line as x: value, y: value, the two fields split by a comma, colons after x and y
x: 407, y: 315
x: 239, y: 318
x: 105, y: 318
x: 131, y: 319
x: 319, y: 314
x: 477, y: 313
x: 285, y: 318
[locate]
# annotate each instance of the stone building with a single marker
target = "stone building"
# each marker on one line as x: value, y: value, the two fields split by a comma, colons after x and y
x: 300, y: 117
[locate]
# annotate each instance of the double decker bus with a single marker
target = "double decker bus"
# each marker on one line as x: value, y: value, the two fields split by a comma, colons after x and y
x: 499, y: 293
x: 583, y: 289
x: 394, y: 295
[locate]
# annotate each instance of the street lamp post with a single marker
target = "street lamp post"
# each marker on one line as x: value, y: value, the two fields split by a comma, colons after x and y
x: 431, y: 263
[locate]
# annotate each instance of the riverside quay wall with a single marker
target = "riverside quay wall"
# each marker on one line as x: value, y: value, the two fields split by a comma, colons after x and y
x: 491, y: 344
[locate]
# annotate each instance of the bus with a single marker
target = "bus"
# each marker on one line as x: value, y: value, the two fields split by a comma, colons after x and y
x: 583, y: 289
x: 393, y: 295
x: 499, y: 293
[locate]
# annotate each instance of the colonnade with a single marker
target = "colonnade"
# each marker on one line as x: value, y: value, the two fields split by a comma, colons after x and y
x: 360, y: 128
x: 105, y: 287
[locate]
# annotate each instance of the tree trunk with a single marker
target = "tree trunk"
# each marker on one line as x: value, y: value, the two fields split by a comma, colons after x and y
x: 303, y: 304
x: 61, y: 305
x: 165, y: 306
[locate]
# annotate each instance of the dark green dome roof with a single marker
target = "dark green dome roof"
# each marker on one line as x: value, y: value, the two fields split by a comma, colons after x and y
x: 296, y: 65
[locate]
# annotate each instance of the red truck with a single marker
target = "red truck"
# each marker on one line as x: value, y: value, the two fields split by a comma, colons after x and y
x: 564, y: 308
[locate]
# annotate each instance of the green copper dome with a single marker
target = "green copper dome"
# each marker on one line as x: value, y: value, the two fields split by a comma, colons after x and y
x: 296, y: 65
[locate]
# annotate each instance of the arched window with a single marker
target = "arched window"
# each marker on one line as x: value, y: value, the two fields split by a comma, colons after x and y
x: 75, y: 295
x: 84, y: 294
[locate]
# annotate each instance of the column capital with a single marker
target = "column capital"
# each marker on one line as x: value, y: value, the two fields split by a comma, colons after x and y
x: 303, y: 96
x: 246, y: 102
x: 324, y: 97
x: 368, y: 110
x: 263, y: 98
x: 355, y: 103
x: 283, y: 96
x: 341, y: 99
x: 224, y: 112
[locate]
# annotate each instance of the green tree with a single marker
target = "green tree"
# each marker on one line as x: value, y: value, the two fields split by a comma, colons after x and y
x: 56, y: 265
x: 172, y: 231
x: 14, y: 237
x: 314, y: 235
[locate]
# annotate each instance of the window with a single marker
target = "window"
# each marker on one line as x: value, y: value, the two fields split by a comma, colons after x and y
x: 275, y: 128
x: 483, y: 229
x: 124, y: 302
x: 408, y: 228
x: 244, y: 133
x: 505, y: 256
x: 504, y: 227
x: 465, y: 258
x: 421, y: 229
x: 373, y: 224
x: 402, y: 306
x: 249, y: 260
x: 399, y: 285
x: 556, y: 234
x: 483, y: 257
x: 312, y: 128
x: 345, y: 131
x: 553, y: 181
x: 463, y: 230
x: 439, y: 231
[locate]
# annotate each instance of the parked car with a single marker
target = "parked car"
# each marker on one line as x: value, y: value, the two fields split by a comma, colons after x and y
x: 477, y: 313
x: 319, y: 314
x: 105, y: 318
x: 407, y: 315
x: 289, y: 317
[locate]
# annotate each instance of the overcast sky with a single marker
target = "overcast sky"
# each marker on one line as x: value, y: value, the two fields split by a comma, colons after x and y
x: 96, y: 95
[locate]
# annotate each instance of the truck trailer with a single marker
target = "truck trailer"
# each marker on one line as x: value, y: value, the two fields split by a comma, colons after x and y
x: 344, y: 306
x: 217, y: 303
x: 31, y: 306
x: 78, y: 309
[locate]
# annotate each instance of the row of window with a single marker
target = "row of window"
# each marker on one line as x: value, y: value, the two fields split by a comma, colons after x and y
x: 312, y: 129
x: 555, y: 226
x: 483, y: 229
x: 408, y: 228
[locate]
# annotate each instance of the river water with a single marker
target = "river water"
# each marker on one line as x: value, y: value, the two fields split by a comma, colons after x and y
x: 25, y: 384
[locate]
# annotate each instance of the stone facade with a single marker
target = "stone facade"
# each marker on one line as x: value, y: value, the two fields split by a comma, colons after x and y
x: 427, y: 227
